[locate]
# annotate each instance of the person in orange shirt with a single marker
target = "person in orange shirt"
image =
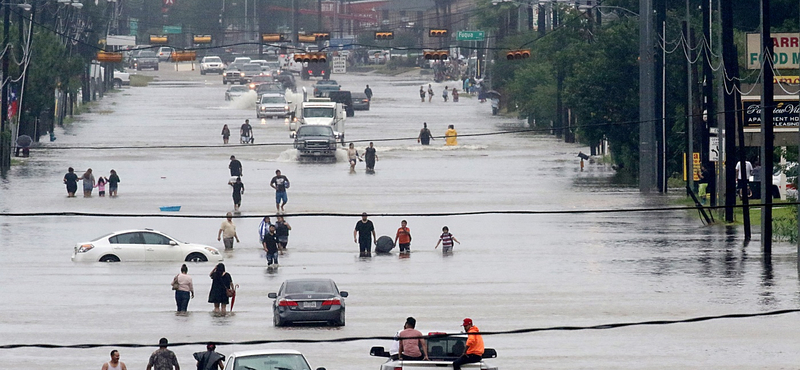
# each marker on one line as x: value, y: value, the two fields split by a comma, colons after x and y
x: 474, y: 350
x: 404, y: 236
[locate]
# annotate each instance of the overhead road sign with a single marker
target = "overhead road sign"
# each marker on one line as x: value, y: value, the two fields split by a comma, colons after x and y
x: 470, y: 35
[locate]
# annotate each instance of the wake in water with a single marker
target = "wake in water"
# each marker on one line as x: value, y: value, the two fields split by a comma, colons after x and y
x: 292, y: 155
x: 246, y: 101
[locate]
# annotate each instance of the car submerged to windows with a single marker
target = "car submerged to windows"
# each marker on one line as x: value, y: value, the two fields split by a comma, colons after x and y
x: 236, y: 91
x: 268, y: 359
x: 142, y: 245
x: 308, y: 300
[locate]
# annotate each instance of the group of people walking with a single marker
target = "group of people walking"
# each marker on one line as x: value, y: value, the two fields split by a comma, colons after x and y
x: 89, y: 183
x: 245, y: 133
x: 430, y: 93
x: 222, y: 289
x: 164, y: 359
x: 450, y: 136
x: 279, y: 182
x: 364, y: 236
x: 370, y: 155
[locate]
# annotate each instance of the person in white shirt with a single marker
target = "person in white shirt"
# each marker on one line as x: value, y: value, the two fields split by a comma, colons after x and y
x: 115, y: 363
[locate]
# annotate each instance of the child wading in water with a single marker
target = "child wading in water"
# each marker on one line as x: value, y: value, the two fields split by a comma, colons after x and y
x: 101, y: 186
x: 446, y: 239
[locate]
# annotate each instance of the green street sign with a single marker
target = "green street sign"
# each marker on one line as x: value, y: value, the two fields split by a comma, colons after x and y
x: 470, y: 35
x: 172, y: 29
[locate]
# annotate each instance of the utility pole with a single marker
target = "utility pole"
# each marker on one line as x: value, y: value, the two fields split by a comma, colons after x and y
x: 767, y: 132
x: 5, y: 137
x: 730, y: 98
x: 660, y: 108
x: 689, y: 159
x: 647, y: 114
x: 708, y: 92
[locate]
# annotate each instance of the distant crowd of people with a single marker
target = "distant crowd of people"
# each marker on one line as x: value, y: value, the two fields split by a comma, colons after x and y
x: 89, y: 183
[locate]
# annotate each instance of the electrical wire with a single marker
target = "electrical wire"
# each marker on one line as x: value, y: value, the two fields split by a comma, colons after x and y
x: 610, y: 326
x: 389, y: 214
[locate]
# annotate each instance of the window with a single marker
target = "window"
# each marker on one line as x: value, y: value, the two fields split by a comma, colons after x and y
x: 270, y: 362
x: 153, y: 238
x: 127, y: 238
x: 318, y: 112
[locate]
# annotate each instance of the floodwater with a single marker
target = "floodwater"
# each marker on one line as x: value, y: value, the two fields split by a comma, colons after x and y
x: 509, y: 272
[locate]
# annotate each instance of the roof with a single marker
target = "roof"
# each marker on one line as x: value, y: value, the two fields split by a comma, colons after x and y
x: 408, y: 5
x: 256, y: 352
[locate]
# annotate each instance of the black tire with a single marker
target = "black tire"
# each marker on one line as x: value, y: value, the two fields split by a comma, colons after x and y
x: 138, y: 68
x: 202, y: 72
x: 156, y: 68
x: 196, y: 257
x: 224, y: 82
x: 340, y: 322
x: 118, y: 83
x: 277, y: 321
x: 220, y: 72
x: 109, y: 258
x: 342, y: 139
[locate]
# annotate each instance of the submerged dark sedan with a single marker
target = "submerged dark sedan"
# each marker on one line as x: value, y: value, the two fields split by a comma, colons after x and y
x: 308, y: 300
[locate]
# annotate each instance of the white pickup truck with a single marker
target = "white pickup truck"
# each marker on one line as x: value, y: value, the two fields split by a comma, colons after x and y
x: 443, y: 349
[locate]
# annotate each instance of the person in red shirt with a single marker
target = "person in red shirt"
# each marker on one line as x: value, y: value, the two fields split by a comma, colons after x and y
x: 404, y: 236
x: 410, y: 348
x: 474, y: 350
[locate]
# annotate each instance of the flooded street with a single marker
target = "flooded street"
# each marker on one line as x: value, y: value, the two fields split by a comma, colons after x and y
x: 509, y: 272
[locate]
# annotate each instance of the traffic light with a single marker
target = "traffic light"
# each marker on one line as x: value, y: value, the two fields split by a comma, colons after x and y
x: 437, y: 32
x: 518, y: 54
x: 385, y: 35
x: 201, y: 39
x: 105, y: 57
x: 435, y: 54
x: 183, y: 56
x: 306, y: 38
x: 319, y: 57
x: 322, y: 36
x: 272, y: 37
x: 158, y: 39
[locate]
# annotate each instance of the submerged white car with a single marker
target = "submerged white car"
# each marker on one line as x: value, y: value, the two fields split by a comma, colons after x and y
x: 268, y: 359
x: 142, y: 245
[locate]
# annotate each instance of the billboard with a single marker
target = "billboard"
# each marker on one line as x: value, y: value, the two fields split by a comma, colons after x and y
x: 786, y: 112
x: 785, y: 54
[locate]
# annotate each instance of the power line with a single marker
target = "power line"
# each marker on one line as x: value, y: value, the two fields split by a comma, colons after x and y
x: 432, y: 214
x: 610, y: 326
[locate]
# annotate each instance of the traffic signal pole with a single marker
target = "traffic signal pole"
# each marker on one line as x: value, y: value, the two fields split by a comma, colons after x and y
x: 647, y: 134
x: 767, y: 132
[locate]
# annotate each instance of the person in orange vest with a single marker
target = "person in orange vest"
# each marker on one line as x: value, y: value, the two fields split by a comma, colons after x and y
x: 474, y: 350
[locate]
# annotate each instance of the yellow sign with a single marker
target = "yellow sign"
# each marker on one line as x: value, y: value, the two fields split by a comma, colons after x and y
x: 696, y: 168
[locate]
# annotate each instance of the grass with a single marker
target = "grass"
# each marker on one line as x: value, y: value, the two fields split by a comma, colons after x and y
x: 140, y: 80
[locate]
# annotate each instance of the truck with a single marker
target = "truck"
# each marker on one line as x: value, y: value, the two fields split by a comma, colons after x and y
x: 316, y: 111
x: 315, y: 142
x: 443, y: 349
x: 316, y: 69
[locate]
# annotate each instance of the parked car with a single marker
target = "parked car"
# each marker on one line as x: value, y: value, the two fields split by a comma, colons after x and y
x: 268, y: 359
x: 308, y: 300
x: 146, y: 59
x: 121, y: 78
x: 272, y: 105
x: 360, y: 101
x: 142, y: 245
x: 164, y: 53
x: 235, y: 91
x: 211, y: 64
